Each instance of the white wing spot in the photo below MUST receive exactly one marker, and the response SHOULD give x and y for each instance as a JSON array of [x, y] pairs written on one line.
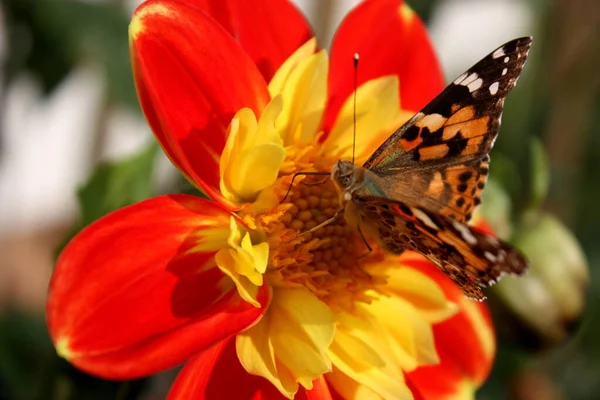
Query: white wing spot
[[476, 84], [498, 53], [460, 78], [466, 81], [515, 81], [472, 81], [489, 256], [494, 88], [465, 233], [506, 59], [425, 218], [504, 71]]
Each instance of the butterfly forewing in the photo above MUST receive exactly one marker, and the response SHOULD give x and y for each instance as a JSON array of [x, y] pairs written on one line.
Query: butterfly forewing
[[438, 159], [471, 259]]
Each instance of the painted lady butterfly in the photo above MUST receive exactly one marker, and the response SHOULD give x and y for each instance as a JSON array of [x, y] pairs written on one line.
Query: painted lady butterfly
[[420, 187]]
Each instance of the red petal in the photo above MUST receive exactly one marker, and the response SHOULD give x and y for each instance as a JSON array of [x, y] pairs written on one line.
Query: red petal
[[131, 295], [220, 10], [218, 374], [270, 31], [465, 343], [191, 77], [390, 41]]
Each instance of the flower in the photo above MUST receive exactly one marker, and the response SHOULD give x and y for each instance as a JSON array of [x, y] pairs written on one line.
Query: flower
[[240, 99]]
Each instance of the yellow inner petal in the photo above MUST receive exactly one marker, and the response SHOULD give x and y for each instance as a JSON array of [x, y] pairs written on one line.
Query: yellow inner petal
[[244, 262], [252, 156], [419, 290], [362, 355], [348, 388], [279, 80], [390, 335], [410, 337], [304, 93], [289, 344]]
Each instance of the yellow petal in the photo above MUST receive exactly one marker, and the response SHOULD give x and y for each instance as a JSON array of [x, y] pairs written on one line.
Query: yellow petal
[[419, 290], [378, 113], [357, 354], [256, 354], [279, 80], [247, 290], [349, 388], [302, 329], [304, 95], [289, 344], [363, 353], [252, 156], [410, 335], [244, 262], [212, 235]]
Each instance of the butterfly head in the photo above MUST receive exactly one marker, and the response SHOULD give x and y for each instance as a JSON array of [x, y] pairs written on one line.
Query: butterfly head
[[347, 176]]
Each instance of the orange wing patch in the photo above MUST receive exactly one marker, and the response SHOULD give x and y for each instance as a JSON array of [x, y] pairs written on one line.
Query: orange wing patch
[[461, 114], [433, 152]]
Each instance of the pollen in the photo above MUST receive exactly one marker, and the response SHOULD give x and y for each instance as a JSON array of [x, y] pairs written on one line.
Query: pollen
[[330, 261]]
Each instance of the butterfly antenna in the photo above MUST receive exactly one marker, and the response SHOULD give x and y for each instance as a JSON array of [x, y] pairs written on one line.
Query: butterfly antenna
[[356, 58]]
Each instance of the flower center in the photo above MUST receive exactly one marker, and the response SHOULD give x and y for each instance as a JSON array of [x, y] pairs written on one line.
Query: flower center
[[330, 261]]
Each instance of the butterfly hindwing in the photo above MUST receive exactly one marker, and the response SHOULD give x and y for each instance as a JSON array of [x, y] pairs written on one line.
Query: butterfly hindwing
[[423, 162], [470, 258]]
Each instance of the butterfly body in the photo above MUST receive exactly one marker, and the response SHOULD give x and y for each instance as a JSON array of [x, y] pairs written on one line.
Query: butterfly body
[[420, 187]]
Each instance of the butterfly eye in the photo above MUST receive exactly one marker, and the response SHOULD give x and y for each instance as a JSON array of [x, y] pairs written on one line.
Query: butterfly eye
[[346, 180]]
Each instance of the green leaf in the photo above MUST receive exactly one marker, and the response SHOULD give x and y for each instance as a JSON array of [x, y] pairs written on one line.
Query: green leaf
[[24, 347], [540, 174], [115, 185]]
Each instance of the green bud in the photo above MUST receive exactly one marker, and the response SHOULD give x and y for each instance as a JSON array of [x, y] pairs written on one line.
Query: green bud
[[550, 298]]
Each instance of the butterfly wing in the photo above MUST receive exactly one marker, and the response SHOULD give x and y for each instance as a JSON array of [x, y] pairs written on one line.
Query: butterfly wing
[[471, 259], [438, 159]]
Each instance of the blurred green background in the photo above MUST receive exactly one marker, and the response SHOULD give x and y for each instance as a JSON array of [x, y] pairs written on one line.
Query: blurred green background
[[74, 146]]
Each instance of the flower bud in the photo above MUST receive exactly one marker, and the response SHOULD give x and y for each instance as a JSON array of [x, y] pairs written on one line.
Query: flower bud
[[546, 304]]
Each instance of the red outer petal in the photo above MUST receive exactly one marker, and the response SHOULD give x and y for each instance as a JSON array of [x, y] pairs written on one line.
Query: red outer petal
[[217, 374], [220, 10], [389, 42], [130, 297], [270, 31], [459, 342], [191, 77]]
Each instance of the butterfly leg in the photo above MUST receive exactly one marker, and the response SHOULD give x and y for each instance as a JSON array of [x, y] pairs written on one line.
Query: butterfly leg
[[321, 225], [362, 236], [321, 173], [369, 251]]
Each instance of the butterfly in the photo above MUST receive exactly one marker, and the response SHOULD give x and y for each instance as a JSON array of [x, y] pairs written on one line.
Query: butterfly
[[418, 190]]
